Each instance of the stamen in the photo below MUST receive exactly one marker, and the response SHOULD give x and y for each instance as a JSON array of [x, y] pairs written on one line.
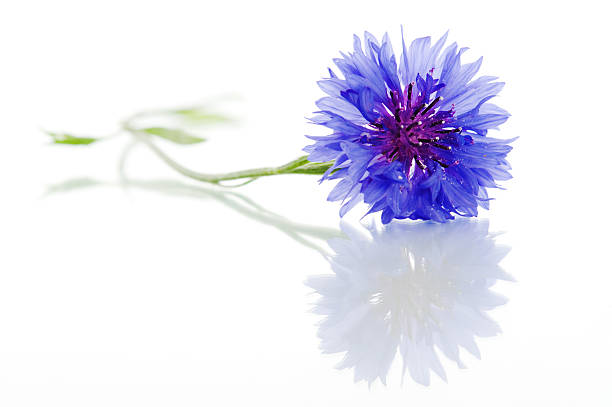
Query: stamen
[[417, 110], [392, 94], [432, 104], [400, 135], [420, 163], [443, 147], [410, 92], [414, 124], [457, 130], [436, 123], [443, 165]]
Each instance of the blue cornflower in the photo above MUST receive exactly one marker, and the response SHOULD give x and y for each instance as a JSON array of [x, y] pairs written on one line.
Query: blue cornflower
[[410, 140]]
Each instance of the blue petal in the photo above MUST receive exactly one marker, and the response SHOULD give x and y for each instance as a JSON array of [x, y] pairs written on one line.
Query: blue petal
[[342, 108], [341, 190], [387, 62]]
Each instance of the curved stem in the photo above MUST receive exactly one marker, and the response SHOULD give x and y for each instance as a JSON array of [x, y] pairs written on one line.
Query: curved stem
[[300, 165]]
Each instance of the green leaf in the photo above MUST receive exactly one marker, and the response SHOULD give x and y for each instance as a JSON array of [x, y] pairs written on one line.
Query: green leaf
[[175, 135], [199, 115], [65, 138]]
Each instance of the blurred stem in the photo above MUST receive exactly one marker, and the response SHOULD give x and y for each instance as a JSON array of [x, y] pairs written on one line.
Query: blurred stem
[[300, 165]]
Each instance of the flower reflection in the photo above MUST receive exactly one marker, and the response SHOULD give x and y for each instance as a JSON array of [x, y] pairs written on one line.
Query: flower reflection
[[419, 290]]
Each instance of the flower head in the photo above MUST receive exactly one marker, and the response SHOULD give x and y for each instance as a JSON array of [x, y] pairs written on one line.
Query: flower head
[[410, 140], [420, 290]]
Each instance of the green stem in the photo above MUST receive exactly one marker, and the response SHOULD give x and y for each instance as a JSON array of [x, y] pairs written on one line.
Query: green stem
[[300, 165]]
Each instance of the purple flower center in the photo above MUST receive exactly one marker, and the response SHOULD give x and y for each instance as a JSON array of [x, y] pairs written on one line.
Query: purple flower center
[[411, 127]]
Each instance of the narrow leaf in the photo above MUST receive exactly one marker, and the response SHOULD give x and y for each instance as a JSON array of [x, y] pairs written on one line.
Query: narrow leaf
[[175, 135], [199, 115], [65, 138]]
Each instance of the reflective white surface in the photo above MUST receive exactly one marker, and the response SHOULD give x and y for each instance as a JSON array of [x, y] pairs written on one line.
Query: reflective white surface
[[155, 291]]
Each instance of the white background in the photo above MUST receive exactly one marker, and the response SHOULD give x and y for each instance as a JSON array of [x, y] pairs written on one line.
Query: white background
[[128, 297]]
